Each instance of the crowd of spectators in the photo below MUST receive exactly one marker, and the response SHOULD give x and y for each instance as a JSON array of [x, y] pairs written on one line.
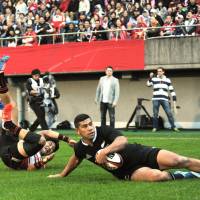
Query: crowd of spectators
[[91, 20]]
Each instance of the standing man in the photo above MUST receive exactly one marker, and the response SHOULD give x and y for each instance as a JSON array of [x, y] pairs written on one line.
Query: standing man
[[107, 94], [161, 88], [36, 97]]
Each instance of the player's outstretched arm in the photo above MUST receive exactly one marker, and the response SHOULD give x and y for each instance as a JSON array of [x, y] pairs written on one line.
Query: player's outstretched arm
[[56, 135], [71, 165]]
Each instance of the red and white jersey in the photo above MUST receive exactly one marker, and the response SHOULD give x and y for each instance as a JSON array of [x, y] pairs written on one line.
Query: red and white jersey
[[58, 21], [35, 160]]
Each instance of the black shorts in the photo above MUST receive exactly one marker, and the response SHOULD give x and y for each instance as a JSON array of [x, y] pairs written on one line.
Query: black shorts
[[11, 157], [148, 159]]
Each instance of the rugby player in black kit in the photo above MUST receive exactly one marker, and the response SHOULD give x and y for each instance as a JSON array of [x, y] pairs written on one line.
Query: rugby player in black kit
[[140, 163], [20, 148]]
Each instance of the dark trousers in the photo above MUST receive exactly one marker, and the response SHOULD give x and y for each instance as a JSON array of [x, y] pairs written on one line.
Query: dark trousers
[[111, 110], [166, 108], [40, 114]]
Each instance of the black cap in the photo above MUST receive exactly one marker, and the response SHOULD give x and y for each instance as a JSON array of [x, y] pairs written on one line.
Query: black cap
[[35, 71]]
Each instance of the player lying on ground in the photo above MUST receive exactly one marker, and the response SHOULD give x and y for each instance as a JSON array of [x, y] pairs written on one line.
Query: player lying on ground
[[19, 148], [132, 161]]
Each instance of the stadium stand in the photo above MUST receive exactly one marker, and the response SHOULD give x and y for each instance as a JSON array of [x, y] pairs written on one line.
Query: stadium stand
[[81, 20]]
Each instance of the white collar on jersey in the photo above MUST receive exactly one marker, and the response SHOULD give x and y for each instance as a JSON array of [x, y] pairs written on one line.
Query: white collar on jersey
[[95, 137]]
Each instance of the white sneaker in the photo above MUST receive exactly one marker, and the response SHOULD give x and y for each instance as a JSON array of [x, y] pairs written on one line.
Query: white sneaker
[[154, 130]]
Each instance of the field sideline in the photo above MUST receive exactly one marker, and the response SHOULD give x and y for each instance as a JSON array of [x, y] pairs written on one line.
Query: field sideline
[[90, 182]]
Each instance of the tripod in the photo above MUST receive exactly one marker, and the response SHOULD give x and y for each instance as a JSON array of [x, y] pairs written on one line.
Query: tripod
[[137, 109]]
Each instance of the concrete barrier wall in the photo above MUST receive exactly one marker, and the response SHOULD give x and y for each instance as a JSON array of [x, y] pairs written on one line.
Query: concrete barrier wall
[[172, 53]]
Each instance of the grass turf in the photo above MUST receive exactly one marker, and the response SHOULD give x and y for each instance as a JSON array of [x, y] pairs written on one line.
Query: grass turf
[[91, 182]]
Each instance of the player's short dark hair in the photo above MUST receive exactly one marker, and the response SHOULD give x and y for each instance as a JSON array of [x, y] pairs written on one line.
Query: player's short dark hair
[[35, 71], [79, 118], [109, 67]]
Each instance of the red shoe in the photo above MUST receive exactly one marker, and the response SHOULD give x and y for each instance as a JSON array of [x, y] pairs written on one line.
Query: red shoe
[[7, 112]]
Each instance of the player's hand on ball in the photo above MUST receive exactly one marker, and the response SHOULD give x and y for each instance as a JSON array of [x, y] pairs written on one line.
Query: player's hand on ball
[[101, 157], [55, 176]]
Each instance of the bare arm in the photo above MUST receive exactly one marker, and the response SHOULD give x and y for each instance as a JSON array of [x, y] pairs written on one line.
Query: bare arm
[[56, 135], [118, 144], [70, 166]]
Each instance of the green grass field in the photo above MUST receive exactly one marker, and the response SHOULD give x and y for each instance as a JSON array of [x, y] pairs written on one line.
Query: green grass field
[[91, 182]]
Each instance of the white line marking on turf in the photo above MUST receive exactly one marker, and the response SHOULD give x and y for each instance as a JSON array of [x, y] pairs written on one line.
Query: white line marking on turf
[[162, 138]]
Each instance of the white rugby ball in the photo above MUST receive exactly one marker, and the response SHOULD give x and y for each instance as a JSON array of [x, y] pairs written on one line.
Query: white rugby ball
[[114, 161]]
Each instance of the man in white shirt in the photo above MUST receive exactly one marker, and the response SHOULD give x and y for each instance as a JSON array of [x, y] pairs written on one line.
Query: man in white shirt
[[107, 94]]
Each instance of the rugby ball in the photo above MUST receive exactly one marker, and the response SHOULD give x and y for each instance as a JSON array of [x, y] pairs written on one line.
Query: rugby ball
[[113, 161]]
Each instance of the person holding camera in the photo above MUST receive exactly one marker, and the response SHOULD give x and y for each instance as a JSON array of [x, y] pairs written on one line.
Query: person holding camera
[[51, 93], [161, 88], [34, 87]]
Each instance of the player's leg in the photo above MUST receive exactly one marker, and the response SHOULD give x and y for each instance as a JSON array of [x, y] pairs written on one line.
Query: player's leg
[[148, 174], [167, 159], [4, 94]]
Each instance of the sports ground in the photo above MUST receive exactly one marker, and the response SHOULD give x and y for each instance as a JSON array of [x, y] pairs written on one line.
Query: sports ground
[[91, 182]]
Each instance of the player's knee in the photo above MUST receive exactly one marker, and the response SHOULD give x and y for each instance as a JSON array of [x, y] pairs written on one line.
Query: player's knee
[[180, 161], [42, 141]]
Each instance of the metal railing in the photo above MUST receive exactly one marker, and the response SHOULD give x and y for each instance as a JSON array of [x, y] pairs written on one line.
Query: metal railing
[[62, 36]]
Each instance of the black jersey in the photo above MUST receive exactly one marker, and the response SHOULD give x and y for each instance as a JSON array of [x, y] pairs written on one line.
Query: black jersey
[[134, 155]]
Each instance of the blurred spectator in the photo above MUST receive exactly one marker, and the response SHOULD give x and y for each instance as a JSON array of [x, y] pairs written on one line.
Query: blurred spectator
[[97, 34], [73, 6], [70, 18], [84, 6], [71, 37], [180, 29], [43, 28], [81, 37], [119, 9], [192, 6], [167, 29], [42, 10], [190, 21], [64, 5], [30, 37], [121, 32], [155, 14], [88, 30], [140, 33], [58, 20], [154, 30], [21, 7], [32, 6]]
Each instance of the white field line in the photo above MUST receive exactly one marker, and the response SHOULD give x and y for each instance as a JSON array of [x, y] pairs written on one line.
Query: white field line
[[163, 138]]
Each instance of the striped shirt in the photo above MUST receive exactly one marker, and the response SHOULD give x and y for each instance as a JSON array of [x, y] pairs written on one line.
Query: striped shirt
[[161, 88]]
